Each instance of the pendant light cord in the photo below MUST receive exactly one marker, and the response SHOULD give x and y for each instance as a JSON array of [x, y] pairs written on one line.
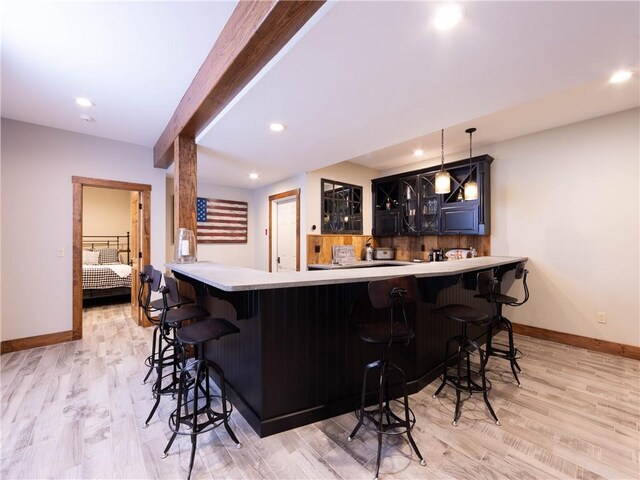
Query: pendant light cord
[[470, 132], [442, 150]]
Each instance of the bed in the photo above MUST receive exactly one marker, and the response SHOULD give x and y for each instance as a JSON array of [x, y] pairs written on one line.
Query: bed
[[106, 266]]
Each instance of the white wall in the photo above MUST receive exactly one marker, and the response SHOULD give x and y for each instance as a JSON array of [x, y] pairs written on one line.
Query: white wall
[[341, 172], [37, 199], [568, 199], [105, 211], [240, 254], [260, 222]]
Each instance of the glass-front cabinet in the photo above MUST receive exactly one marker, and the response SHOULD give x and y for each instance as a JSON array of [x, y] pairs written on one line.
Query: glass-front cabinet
[[341, 207], [429, 205], [407, 204], [385, 207], [409, 218], [420, 213]]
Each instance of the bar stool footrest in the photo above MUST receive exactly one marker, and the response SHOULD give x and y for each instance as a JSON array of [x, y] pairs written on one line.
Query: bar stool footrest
[[183, 424], [505, 353], [393, 420], [465, 384]]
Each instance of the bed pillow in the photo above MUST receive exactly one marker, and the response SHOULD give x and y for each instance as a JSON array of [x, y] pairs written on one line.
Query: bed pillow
[[90, 257], [108, 255]]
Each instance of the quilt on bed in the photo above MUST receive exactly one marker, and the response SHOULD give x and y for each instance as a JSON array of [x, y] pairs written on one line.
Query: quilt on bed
[[105, 276]]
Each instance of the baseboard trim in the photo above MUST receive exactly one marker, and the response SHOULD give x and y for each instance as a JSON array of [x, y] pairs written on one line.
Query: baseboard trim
[[604, 346], [36, 341]]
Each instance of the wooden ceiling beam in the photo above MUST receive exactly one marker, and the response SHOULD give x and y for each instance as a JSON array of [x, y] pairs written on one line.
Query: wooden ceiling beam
[[254, 34]]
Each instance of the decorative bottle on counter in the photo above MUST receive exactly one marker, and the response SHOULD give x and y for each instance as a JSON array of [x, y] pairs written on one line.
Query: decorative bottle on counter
[[185, 246], [368, 252]]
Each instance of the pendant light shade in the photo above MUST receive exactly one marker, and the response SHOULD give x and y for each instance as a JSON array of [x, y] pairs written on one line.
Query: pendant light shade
[[443, 182], [471, 187], [470, 190], [443, 179]]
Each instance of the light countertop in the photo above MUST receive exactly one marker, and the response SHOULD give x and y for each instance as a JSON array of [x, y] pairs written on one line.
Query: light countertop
[[357, 264], [233, 279]]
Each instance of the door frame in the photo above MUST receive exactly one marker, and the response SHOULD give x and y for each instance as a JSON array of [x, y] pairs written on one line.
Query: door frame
[[274, 198], [145, 241]]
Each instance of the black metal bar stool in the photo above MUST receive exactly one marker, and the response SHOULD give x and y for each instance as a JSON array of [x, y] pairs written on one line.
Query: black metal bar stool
[[194, 413], [462, 380], [489, 289], [392, 294], [170, 353], [150, 280]]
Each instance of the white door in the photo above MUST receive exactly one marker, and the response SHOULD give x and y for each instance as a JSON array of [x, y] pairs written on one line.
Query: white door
[[285, 233]]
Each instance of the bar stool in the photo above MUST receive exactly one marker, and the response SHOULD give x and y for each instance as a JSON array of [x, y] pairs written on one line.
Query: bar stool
[[392, 294], [150, 280], [489, 289], [170, 355], [194, 413], [462, 380]]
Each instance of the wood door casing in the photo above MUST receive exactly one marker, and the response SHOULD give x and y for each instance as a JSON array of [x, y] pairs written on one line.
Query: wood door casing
[[135, 258], [279, 196], [145, 241]]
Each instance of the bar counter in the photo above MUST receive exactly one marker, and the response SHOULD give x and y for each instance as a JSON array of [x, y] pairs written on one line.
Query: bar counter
[[297, 358]]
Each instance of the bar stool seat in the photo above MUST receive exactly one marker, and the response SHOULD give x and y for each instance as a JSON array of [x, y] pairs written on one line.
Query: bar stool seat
[[194, 413], [380, 333], [463, 379], [462, 313], [175, 316], [159, 303]]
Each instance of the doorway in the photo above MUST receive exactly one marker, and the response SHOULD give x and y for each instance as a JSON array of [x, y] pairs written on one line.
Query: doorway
[[284, 231], [140, 240]]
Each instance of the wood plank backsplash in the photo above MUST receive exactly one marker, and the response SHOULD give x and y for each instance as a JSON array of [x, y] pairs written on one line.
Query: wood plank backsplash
[[407, 248], [323, 243]]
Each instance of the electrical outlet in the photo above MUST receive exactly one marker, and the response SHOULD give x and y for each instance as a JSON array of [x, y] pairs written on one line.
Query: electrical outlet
[[61, 252], [602, 317]]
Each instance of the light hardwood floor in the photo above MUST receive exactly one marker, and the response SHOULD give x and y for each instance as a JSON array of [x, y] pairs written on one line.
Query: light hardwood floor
[[75, 410]]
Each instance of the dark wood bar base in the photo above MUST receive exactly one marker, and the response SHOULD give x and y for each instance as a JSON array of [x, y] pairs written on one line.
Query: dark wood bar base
[[297, 358]]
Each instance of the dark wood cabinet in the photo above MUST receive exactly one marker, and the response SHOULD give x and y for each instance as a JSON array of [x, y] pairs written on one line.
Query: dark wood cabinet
[[460, 219], [406, 204], [341, 207], [385, 207], [385, 223], [419, 205]]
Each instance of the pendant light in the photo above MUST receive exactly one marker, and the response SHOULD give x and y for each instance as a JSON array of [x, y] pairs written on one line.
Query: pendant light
[[443, 179], [471, 187]]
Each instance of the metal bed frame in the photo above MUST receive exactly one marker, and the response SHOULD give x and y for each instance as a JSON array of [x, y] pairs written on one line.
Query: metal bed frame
[[123, 244]]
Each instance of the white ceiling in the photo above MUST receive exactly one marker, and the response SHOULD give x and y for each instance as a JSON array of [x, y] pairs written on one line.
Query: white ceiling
[[365, 81], [134, 60]]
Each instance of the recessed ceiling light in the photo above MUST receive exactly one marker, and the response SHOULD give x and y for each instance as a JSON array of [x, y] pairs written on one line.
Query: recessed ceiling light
[[253, 176], [447, 16], [84, 102], [276, 127], [87, 118], [418, 152], [621, 76]]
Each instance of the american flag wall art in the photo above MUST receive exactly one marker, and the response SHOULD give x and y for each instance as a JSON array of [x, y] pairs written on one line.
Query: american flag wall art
[[221, 221]]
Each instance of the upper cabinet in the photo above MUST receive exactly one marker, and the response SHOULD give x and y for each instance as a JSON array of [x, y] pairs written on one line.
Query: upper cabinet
[[385, 207], [341, 207], [415, 209], [419, 205]]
